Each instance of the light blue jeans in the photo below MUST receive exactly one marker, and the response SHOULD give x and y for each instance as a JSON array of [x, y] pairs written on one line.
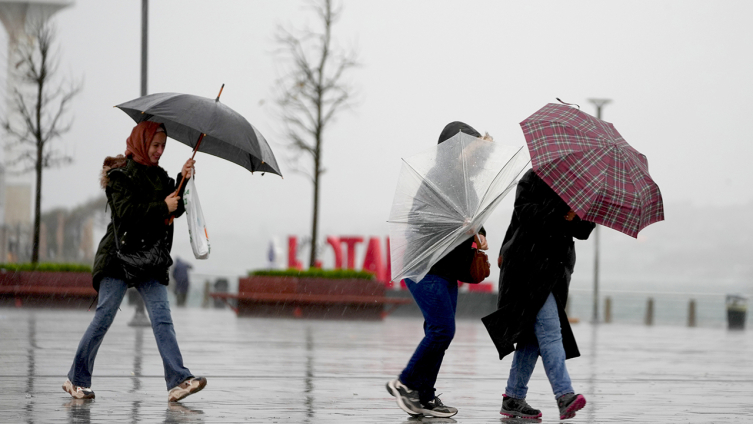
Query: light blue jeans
[[548, 344], [111, 293]]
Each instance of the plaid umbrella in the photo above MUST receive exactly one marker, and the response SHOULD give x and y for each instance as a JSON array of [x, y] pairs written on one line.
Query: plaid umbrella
[[592, 168]]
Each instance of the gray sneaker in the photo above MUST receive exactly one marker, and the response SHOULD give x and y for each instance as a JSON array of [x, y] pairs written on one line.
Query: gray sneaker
[[78, 392], [406, 398], [435, 408], [518, 408], [569, 403]]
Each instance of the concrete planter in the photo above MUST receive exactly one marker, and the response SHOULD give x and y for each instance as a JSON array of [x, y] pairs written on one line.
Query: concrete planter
[[320, 298], [46, 289]]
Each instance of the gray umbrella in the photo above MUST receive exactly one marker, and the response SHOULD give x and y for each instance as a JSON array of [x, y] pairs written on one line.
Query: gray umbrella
[[208, 126]]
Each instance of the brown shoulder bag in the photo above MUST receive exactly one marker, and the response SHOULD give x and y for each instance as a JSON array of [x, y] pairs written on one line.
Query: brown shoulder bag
[[480, 267]]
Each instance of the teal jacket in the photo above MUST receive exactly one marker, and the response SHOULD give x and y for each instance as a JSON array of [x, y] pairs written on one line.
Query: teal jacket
[[136, 196]]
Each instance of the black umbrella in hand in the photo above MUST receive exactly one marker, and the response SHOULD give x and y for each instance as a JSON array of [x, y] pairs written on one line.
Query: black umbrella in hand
[[207, 126]]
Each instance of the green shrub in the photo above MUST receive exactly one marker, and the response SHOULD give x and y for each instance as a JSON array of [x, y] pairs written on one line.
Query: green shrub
[[314, 273], [46, 267]]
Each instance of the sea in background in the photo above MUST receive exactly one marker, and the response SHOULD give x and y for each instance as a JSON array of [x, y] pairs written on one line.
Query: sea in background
[[670, 308], [629, 301]]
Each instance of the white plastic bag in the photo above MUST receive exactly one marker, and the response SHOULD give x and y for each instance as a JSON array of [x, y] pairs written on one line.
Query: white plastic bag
[[197, 227]]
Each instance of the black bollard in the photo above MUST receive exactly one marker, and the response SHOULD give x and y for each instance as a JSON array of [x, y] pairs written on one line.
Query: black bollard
[[650, 311], [608, 309], [691, 313]]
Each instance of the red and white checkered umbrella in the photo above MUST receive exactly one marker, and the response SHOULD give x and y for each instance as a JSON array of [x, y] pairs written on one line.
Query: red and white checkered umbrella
[[592, 168]]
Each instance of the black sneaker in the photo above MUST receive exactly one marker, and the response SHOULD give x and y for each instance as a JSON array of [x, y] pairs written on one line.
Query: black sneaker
[[569, 403], [435, 408], [518, 408], [407, 399]]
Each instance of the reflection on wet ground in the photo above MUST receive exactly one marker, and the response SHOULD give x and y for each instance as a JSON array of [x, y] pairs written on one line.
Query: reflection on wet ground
[[294, 371]]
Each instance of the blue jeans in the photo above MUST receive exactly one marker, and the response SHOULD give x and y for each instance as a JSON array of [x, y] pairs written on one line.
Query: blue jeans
[[438, 299], [111, 293], [548, 343]]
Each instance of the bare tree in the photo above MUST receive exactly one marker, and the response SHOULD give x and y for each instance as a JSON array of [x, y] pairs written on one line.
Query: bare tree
[[39, 109], [312, 92]]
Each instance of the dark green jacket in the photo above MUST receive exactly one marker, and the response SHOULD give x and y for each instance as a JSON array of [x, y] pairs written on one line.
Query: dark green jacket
[[136, 196]]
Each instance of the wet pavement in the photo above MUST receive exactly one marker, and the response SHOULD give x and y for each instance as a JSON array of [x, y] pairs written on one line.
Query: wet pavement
[[295, 371]]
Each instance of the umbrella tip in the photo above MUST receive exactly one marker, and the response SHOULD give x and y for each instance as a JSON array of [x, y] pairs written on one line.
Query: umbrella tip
[[218, 95]]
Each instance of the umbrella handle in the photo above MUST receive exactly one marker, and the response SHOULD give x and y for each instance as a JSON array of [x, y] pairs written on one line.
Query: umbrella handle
[[183, 180]]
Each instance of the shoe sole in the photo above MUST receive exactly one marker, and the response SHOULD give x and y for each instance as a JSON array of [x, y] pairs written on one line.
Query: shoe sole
[[71, 392], [577, 405], [435, 414], [396, 394], [513, 414], [202, 384]]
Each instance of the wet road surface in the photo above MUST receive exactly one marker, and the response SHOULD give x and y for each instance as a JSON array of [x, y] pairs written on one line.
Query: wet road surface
[[296, 371]]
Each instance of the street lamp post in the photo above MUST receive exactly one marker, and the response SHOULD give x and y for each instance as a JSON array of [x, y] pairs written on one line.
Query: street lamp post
[[139, 318], [144, 43], [599, 103]]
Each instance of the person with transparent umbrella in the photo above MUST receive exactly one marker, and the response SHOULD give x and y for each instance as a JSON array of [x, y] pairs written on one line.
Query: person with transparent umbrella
[[436, 294]]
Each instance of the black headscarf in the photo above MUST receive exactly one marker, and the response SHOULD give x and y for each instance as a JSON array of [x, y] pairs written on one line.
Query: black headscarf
[[453, 128]]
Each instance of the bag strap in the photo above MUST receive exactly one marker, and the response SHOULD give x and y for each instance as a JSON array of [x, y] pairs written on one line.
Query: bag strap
[[123, 172], [115, 230]]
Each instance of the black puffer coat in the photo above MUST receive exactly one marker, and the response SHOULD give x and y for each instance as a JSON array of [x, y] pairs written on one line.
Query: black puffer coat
[[538, 256], [136, 195]]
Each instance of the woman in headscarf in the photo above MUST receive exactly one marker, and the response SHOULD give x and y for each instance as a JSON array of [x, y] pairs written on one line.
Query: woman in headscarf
[[437, 297], [143, 202]]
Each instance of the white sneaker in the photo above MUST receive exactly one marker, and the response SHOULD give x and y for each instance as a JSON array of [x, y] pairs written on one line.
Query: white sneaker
[[187, 387], [78, 392]]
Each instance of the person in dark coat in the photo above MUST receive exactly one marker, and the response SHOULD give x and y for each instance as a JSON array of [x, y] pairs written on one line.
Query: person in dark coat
[[182, 282], [437, 297], [536, 261], [142, 198]]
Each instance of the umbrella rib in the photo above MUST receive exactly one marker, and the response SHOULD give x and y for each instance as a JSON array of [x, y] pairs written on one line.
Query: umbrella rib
[[434, 189], [465, 173], [493, 204], [426, 253], [481, 201]]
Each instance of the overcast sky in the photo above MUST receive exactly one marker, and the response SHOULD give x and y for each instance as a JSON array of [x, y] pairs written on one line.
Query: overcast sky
[[678, 72]]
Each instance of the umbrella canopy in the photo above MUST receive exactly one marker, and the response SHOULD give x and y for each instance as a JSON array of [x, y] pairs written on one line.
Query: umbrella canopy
[[444, 196], [592, 168], [227, 134]]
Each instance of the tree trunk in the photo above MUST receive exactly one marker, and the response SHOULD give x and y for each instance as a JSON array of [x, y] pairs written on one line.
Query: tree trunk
[[37, 209], [40, 157], [315, 221]]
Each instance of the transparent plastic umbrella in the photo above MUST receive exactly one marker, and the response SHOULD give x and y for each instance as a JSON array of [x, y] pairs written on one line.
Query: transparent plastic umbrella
[[444, 196]]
